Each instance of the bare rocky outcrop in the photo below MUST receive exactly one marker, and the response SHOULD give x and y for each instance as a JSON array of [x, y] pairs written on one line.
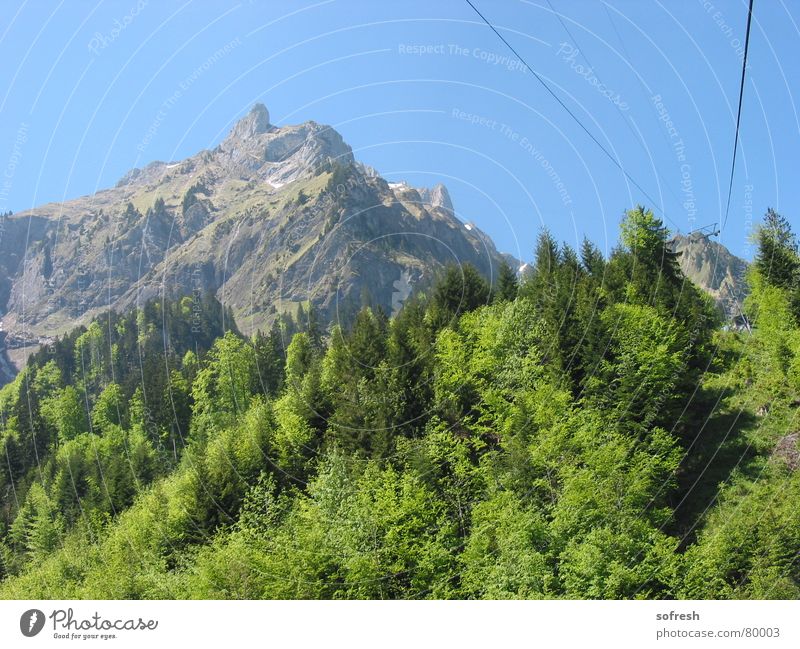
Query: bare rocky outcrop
[[715, 269], [273, 218]]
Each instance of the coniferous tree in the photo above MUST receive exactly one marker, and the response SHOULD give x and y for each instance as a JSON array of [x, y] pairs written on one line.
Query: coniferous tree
[[777, 260], [532, 446], [654, 269], [507, 283], [270, 351], [459, 290], [592, 259]]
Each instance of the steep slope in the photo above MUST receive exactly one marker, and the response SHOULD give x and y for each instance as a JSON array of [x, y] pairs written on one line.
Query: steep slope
[[715, 269], [272, 218]]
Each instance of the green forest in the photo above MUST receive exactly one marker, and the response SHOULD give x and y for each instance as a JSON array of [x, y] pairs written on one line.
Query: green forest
[[592, 430]]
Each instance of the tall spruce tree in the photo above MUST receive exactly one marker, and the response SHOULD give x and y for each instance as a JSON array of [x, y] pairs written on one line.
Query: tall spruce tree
[[777, 259], [507, 283]]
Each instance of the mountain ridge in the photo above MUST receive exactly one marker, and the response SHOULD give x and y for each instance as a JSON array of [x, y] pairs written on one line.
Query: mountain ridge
[[272, 219]]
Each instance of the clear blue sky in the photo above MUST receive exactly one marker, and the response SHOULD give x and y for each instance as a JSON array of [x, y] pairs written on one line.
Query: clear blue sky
[[83, 100]]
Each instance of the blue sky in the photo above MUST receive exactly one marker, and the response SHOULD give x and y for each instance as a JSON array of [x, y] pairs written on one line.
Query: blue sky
[[423, 91]]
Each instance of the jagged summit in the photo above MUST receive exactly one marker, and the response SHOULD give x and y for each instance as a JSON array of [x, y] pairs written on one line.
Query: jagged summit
[[256, 150], [437, 196], [273, 218], [254, 123]]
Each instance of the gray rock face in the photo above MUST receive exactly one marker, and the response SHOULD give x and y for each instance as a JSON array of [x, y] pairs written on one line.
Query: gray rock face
[[437, 196], [274, 217], [256, 150], [715, 269], [255, 123]]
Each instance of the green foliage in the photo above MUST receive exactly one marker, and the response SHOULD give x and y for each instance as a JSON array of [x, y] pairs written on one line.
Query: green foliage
[[66, 413], [225, 383], [38, 527], [506, 555], [777, 260], [645, 359], [460, 289], [507, 283], [564, 438], [109, 409], [101, 474], [749, 548]]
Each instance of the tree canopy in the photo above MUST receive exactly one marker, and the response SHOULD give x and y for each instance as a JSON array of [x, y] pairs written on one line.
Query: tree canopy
[[568, 433]]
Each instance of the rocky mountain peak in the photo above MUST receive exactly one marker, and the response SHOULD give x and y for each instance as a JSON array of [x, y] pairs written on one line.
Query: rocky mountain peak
[[257, 150], [437, 196], [254, 123], [273, 218]]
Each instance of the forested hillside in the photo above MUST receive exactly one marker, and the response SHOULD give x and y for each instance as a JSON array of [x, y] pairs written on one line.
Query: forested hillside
[[588, 432]]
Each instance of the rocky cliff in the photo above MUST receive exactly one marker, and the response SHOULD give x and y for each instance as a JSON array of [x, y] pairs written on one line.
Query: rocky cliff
[[715, 269], [273, 218]]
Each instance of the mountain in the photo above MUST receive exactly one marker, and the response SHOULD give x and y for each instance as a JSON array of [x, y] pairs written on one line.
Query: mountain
[[273, 218], [715, 269]]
